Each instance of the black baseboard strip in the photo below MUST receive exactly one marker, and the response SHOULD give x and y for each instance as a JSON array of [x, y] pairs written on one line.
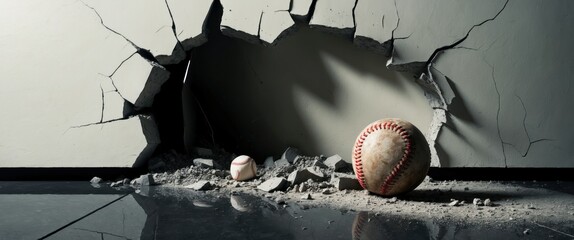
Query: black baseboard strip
[[68, 174], [502, 174], [468, 174]]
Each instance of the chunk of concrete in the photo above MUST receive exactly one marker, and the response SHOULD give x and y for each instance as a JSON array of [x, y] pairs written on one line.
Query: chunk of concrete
[[146, 180], [204, 163], [290, 154], [95, 180], [200, 185], [303, 175], [335, 16], [274, 184], [337, 163], [282, 163], [375, 22], [190, 18], [345, 181], [319, 164], [301, 8], [269, 163]]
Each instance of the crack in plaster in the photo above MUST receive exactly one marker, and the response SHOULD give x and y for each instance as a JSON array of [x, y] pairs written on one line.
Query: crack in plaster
[[450, 46], [103, 103], [144, 53], [397, 25], [354, 19], [104, 122], [426, 80], [502, 142], [530, 141], [173, 27]]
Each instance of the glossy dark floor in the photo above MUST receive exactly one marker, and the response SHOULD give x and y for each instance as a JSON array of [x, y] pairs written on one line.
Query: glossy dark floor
[[78, 210]]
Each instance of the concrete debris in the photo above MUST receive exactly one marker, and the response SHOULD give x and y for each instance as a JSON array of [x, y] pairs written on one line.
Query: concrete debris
[[117, 183], [337, 163], [200, 185], [303, 187], [319, 164], [327, 191], [335, 16], [146, 180], [274, 184], [345, 181], [454, 203], [303, 175], [477, 202], [307, 197], [269, 163], [290, 154], [280, 200], [95, 180], [204, 163], [488, 203], [282, 163]]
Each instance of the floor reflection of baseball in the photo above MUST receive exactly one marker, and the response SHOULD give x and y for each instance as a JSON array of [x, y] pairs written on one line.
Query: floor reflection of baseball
[[391, 157]]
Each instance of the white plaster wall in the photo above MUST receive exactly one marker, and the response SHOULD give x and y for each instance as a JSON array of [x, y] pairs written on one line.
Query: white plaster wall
[[56, 56]]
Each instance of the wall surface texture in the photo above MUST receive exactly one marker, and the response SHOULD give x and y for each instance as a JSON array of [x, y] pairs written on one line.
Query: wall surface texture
[[488, 82]]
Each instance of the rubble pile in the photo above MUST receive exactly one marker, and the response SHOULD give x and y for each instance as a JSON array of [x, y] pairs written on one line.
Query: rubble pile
[[293, 172]]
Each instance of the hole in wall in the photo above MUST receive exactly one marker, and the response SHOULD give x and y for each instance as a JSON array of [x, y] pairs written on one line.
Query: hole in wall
[[259, 100]]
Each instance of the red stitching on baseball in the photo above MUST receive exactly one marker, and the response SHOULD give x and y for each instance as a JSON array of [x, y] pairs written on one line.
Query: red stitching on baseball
[[403, 163], [357, 154], [240, 161]]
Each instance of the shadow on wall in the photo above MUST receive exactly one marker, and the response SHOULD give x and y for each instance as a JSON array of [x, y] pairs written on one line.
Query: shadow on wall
[[247, 90]]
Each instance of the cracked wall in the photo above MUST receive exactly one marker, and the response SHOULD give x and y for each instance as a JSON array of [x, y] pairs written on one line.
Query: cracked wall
[[80, 76]]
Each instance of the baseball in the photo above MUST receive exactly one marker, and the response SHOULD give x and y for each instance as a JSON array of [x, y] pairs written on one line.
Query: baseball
[[390, 157], [243, 168]]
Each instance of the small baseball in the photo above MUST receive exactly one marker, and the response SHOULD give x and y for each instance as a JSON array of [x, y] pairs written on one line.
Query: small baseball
[[243, 168], [390, 157]]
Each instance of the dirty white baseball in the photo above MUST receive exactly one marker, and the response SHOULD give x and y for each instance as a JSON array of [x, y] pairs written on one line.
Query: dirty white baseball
[[243, 168], [390, 157]]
